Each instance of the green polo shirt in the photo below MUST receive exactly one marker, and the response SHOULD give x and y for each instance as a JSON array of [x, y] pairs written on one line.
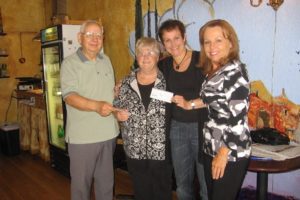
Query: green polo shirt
[[93, 80]]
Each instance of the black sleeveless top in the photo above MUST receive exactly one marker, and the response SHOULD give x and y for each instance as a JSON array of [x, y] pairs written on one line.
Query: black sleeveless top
[[186, 84]]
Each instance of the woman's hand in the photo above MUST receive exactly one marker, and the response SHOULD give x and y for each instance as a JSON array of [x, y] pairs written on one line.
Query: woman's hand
[[219, 163], [188, 105], [181, 102], [121, 114]]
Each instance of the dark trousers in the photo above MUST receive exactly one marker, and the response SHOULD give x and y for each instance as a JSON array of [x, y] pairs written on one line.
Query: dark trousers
[[92, 163], [152, 179], [229, 185]]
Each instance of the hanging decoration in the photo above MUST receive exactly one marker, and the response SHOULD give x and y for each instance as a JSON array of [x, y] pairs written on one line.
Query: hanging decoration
[[1, 23], [138, 25], [138, 20], [156, 22], [275, 4], [149, 20], [22, 58]]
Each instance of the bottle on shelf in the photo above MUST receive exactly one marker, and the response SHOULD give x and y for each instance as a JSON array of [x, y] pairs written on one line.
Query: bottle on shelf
[[59, 111], [56, 90], [54, 69], [60, 131]]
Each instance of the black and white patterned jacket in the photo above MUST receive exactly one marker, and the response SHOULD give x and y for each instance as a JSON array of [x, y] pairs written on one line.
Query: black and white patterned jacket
[[227, 95], [144, 133]]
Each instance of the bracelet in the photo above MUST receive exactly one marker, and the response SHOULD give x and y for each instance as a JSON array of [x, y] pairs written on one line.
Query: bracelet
[[193, 104]]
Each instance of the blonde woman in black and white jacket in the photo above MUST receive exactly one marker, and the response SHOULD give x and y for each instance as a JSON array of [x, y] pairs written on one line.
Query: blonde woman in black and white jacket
[[143, 125]]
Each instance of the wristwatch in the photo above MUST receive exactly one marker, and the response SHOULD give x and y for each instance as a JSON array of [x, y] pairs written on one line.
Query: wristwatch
[[193, 104]]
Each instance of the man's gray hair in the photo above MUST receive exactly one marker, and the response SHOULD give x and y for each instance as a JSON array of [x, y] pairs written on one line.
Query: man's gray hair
[[89, 22]]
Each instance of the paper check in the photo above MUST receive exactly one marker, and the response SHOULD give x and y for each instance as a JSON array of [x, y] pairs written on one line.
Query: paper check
[[161, 95]]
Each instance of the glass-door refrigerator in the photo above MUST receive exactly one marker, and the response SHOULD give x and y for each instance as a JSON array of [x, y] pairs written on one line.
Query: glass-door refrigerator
[[57, 43]]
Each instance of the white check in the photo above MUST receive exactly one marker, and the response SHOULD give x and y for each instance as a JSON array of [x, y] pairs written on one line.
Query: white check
[[161, 95]]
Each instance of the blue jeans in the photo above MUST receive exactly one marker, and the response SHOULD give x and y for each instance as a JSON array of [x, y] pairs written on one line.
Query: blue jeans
[[184, 147]]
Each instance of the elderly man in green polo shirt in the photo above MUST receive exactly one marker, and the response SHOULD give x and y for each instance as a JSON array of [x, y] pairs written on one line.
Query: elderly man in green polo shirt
[[87, 83]]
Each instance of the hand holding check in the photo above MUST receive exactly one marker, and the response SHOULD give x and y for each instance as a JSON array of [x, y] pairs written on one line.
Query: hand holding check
[[121, 114]]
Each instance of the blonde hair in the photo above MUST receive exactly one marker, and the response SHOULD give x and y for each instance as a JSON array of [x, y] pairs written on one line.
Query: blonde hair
[[147, 42]]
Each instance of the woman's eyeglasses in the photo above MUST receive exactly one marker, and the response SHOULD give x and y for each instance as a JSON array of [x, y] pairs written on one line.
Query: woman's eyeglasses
[[146, 54]]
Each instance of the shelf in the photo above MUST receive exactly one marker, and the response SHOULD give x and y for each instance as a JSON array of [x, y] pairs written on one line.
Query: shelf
[[4, 76], [3, 55], [2, 34]]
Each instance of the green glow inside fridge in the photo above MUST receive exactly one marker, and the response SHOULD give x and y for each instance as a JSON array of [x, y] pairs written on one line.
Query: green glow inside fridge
[[57, 43]]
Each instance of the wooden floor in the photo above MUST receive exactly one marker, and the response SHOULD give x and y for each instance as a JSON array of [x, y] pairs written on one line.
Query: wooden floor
[[27, 177]]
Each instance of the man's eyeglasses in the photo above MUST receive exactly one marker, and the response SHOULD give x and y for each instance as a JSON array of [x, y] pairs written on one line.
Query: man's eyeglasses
[[91, 35]]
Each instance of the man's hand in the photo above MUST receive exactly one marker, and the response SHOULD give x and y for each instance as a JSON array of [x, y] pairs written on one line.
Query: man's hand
[[104, 108]]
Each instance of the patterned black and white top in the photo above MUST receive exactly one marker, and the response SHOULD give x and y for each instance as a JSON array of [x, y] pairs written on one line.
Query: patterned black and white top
[[226, 94], [144, 133]]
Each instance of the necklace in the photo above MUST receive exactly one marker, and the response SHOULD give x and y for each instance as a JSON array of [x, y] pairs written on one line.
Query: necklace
[[177, 65]]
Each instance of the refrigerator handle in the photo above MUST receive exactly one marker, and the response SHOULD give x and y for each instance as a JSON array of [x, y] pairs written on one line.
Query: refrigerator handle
[[42, 84], [45, 86]]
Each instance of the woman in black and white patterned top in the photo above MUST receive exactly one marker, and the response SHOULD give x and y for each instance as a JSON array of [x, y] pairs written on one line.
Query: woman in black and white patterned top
[[143, 125], [225, 92], [227, 142]]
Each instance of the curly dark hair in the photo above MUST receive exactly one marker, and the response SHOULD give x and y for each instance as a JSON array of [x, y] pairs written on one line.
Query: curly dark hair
[[169, 25]]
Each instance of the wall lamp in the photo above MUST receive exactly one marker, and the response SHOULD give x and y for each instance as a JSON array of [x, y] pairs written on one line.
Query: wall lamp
[[274, 3]]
